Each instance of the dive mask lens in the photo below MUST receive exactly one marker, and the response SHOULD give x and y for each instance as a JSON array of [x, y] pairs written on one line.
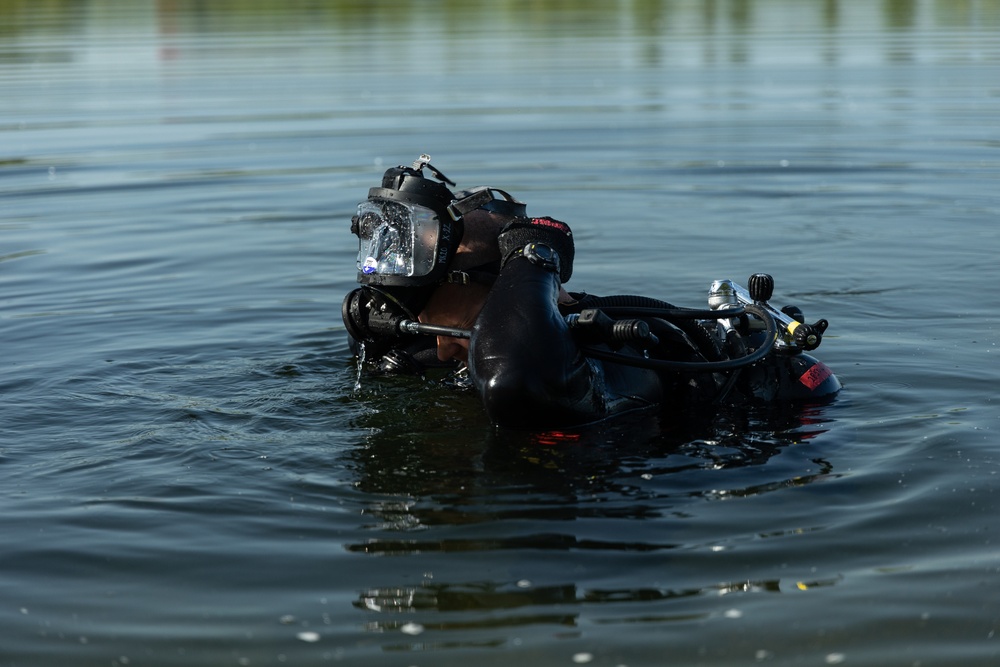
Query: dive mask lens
[[396, 239]]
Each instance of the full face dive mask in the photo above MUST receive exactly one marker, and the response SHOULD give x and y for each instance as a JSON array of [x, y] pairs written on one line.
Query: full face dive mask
[[406, 230], [410, 227]]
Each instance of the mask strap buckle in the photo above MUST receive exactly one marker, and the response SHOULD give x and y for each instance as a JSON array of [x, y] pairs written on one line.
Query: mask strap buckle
[[458, 278], [485, 274]]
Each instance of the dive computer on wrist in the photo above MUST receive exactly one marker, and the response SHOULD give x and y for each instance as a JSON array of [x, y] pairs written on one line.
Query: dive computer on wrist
[[541, 255]]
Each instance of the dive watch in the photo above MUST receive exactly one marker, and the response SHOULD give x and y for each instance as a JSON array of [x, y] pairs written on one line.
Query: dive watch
[[541, 255]]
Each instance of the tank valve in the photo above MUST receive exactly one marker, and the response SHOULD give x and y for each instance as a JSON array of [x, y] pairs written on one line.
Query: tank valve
[[797, 335], [761, 287]]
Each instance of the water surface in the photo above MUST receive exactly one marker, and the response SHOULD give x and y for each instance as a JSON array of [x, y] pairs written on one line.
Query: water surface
[[191, 477]]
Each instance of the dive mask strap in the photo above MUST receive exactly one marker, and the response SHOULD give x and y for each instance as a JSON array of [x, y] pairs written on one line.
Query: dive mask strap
[[483, 197], [484, 274], [425, 161], [471, 202]]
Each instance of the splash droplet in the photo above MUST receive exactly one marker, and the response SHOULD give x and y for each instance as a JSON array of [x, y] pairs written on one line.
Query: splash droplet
[[412, 628]]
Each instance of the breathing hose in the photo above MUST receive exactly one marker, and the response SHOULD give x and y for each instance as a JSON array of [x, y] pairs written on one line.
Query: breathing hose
[[770, 336], [366, 322]]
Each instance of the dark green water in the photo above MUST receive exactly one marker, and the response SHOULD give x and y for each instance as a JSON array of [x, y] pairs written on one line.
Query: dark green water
[[191, 478]]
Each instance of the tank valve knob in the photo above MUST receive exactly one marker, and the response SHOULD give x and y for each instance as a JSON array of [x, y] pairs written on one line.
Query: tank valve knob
[[808, 336], [761, 287]]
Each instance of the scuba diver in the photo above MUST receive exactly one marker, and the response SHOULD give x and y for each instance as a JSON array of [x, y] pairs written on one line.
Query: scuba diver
[[469, 281]]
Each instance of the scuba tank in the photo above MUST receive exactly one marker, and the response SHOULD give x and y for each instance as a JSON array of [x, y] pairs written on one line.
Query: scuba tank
[[752, 348]]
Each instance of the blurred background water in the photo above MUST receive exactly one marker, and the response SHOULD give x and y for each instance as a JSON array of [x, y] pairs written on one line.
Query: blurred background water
[[191, 478]]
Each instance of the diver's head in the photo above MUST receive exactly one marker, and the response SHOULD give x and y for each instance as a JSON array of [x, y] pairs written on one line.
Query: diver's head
[[411, 227], [415, 235], [407, 234]]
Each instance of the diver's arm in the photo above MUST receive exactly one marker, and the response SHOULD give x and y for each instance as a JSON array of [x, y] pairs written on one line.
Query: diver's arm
[[524, 363]]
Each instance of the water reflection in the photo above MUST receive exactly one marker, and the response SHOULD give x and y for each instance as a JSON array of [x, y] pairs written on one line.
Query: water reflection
[[434, 479], [163, 167], [725, 24], [522, 603], [433, 460], [520, 594], [647, 16]]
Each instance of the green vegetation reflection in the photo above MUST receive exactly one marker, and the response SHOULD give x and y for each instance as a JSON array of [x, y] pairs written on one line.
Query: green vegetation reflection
[[455, 17]]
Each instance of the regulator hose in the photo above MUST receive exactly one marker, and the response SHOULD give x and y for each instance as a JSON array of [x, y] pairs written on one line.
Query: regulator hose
[[630, 305], [770, 336], [373, 316]]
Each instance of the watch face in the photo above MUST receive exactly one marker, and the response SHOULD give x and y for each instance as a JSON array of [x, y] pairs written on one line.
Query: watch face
[[542, 252], [542, 255]]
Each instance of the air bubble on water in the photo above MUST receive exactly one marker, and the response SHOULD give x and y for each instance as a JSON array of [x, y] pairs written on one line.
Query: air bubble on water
[[308, 636], [412, 629]]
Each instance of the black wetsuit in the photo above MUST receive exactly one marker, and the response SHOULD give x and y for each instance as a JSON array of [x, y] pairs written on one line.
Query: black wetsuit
[[531, 372]]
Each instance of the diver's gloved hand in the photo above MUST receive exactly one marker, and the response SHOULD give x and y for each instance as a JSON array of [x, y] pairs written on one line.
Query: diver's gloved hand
[[553, 233]]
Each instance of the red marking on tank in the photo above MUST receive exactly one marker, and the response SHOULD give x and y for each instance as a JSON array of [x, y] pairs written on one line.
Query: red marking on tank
[[815, 376], [552, 438]]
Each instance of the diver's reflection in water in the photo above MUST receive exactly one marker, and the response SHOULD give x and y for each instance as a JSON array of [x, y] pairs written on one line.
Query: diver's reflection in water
[[448, 486], [439, 463], [526, 604]]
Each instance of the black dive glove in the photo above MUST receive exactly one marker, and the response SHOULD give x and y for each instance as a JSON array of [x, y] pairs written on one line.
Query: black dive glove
[[545, 231]]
